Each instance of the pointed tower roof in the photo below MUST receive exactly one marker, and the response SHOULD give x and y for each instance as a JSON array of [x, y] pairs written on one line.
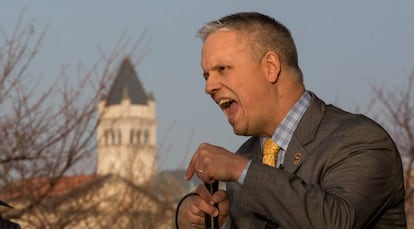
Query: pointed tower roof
[[127, 85]]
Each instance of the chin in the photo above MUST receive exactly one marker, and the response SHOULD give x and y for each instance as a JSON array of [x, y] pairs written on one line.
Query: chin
[[240, 132]]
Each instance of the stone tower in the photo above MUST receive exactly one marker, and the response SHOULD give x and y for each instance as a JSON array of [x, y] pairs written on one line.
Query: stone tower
[[127, 130]]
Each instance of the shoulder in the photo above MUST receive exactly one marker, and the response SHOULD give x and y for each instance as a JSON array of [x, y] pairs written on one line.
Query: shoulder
[[346, 132], [335, 119], [349, 135], [347, 124]]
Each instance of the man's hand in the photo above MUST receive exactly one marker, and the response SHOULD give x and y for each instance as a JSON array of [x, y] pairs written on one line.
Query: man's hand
[[214, 163], [192, 211]]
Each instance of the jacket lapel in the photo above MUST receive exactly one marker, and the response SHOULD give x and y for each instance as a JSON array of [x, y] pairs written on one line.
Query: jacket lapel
[[251, 149], [299, 147]]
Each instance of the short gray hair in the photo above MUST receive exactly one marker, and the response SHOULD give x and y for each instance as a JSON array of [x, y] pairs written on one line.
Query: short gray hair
[[263, 34]]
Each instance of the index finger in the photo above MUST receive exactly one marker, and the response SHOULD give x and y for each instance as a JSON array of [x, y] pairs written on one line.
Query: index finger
[[191, 168]]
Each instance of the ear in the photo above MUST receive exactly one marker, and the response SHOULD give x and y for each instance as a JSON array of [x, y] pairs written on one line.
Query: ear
[[272, 66]]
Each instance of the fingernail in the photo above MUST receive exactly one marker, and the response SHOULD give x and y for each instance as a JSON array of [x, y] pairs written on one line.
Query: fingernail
[[212, 202], [215, 213]]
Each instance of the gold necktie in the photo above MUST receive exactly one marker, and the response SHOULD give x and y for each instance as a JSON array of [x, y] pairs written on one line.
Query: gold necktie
[[270, 150]]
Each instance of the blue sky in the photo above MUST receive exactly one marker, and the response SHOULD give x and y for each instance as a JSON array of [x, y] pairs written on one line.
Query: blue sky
[[343, 47]]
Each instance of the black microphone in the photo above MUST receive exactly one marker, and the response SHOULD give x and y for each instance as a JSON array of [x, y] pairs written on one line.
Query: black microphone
[[211, 222]]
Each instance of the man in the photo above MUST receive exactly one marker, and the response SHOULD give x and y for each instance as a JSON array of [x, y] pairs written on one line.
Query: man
[[333, 169]]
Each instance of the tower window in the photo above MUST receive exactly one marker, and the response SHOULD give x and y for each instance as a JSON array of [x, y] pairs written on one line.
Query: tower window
[[119, 137], [109, 137], [146, 136], [106, 136], [131, 136], [135, 136], [138, 136]]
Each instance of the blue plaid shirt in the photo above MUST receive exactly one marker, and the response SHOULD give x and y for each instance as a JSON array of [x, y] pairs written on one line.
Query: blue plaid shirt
[[284, 132]]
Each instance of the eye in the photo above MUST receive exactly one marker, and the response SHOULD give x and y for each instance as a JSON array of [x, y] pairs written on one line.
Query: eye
[[206, 75], [222, 69]]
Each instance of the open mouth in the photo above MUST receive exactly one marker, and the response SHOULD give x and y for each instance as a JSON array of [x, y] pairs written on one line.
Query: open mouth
[[225, 103], [229, 108]]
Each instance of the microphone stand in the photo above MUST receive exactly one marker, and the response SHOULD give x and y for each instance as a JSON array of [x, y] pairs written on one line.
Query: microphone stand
[[211, 222]]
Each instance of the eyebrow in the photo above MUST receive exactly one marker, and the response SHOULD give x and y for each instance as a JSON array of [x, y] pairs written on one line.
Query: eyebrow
[[215, 68]]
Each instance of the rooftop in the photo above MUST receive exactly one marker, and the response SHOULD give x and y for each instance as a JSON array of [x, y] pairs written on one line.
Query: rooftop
[[127, 85]]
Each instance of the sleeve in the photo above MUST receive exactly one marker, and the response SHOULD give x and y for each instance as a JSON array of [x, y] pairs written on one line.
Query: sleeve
[[243, 174]]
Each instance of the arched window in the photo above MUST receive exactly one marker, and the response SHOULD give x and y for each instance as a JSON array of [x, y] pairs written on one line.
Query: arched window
[[131, 136], [106, 136], [110, 138], [111, 132], [135, 136], [119, 137], [146, 137], [138, 136]]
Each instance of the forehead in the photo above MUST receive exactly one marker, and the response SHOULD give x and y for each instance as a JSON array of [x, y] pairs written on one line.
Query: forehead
[[221, 46]]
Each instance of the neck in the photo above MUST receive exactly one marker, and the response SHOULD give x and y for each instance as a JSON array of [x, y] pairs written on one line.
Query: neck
[[287, 97]]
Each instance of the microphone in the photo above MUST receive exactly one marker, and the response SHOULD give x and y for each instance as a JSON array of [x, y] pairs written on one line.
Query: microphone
[[211, 222]]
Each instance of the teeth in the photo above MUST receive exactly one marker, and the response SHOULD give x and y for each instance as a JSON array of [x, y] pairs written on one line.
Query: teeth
[[224, 101]]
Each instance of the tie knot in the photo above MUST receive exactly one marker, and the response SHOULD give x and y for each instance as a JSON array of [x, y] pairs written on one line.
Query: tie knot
[[270, 150], [270, 147]]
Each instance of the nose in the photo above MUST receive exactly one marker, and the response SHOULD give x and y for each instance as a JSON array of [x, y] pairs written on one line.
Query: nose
[[212, 84]]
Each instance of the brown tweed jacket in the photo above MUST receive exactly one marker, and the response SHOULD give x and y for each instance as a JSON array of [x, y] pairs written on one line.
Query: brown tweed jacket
[[341, 170]]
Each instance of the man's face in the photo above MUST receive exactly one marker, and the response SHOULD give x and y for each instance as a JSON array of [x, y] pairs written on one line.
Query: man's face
[[236, 82]]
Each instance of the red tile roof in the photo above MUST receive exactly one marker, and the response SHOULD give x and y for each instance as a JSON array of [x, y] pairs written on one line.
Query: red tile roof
[[45, 186]]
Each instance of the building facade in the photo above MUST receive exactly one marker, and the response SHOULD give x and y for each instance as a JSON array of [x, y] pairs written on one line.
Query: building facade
[[128, 128]]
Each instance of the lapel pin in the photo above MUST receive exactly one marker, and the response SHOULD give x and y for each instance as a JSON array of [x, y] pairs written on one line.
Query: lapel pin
[[297, 158]]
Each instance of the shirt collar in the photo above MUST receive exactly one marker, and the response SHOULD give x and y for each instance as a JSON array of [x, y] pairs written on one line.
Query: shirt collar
[[284, 132]]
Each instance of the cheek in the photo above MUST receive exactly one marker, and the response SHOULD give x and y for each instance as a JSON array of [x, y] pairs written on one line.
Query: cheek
[[248, 102], [250, 88], [255, 100]]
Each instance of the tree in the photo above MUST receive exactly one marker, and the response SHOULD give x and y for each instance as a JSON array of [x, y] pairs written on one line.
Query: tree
[[47, 132], [396, 113], [43, 133]]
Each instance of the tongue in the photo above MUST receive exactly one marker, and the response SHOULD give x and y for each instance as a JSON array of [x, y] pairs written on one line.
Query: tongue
[[232, 110]]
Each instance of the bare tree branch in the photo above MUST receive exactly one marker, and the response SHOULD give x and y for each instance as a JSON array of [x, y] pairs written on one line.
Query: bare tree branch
[[396, 113]]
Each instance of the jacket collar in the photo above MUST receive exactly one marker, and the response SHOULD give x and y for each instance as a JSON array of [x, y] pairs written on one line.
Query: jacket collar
[[299, 147]]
